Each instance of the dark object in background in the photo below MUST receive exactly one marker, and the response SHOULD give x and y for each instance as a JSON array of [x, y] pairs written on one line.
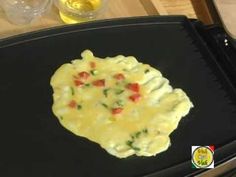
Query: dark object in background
[[34, 144]]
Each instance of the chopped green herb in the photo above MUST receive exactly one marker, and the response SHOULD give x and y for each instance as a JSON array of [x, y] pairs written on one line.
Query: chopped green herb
[[145, 130], [87, 85], [94, 72], [119, 91], [119, 103], [146, 71], [61, 117], [124, 69], [137, 134], [79, 107], [105, 92], [135, 148], [117, 83], [105, 105], [72, 90], [129, 143]]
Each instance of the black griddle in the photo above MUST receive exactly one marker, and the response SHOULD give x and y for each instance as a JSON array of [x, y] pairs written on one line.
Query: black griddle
[[34, 144]]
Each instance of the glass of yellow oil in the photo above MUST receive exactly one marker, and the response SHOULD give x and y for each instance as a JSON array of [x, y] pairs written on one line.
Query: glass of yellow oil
[[77, 11]]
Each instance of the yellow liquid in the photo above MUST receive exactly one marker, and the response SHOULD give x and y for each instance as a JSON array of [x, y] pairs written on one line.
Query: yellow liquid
[[81, 6]]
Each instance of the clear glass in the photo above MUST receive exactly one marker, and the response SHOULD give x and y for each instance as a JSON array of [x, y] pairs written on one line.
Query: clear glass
[[77, 11], [24, 11]]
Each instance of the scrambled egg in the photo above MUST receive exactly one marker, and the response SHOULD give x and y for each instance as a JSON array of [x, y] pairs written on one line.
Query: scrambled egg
[[125, 106]]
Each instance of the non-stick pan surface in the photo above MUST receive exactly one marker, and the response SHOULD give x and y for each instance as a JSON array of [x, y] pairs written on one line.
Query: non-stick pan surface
[[34, 144]]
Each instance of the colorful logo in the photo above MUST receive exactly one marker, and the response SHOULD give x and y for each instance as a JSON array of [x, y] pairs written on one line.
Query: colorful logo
[[203, 156]]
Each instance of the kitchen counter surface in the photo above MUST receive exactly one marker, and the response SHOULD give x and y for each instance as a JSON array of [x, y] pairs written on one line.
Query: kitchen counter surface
[[115, 9]]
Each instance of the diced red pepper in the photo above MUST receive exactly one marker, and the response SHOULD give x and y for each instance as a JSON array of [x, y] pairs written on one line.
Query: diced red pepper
[[212, 148], [78, 83], [119, 76], [99, 83], [92, 64], [84, 75], [134, 87], [117, 110], [135, 97], [72, 104]]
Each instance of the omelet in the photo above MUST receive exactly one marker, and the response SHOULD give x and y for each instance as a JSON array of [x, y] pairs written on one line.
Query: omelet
[[125, 106]]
